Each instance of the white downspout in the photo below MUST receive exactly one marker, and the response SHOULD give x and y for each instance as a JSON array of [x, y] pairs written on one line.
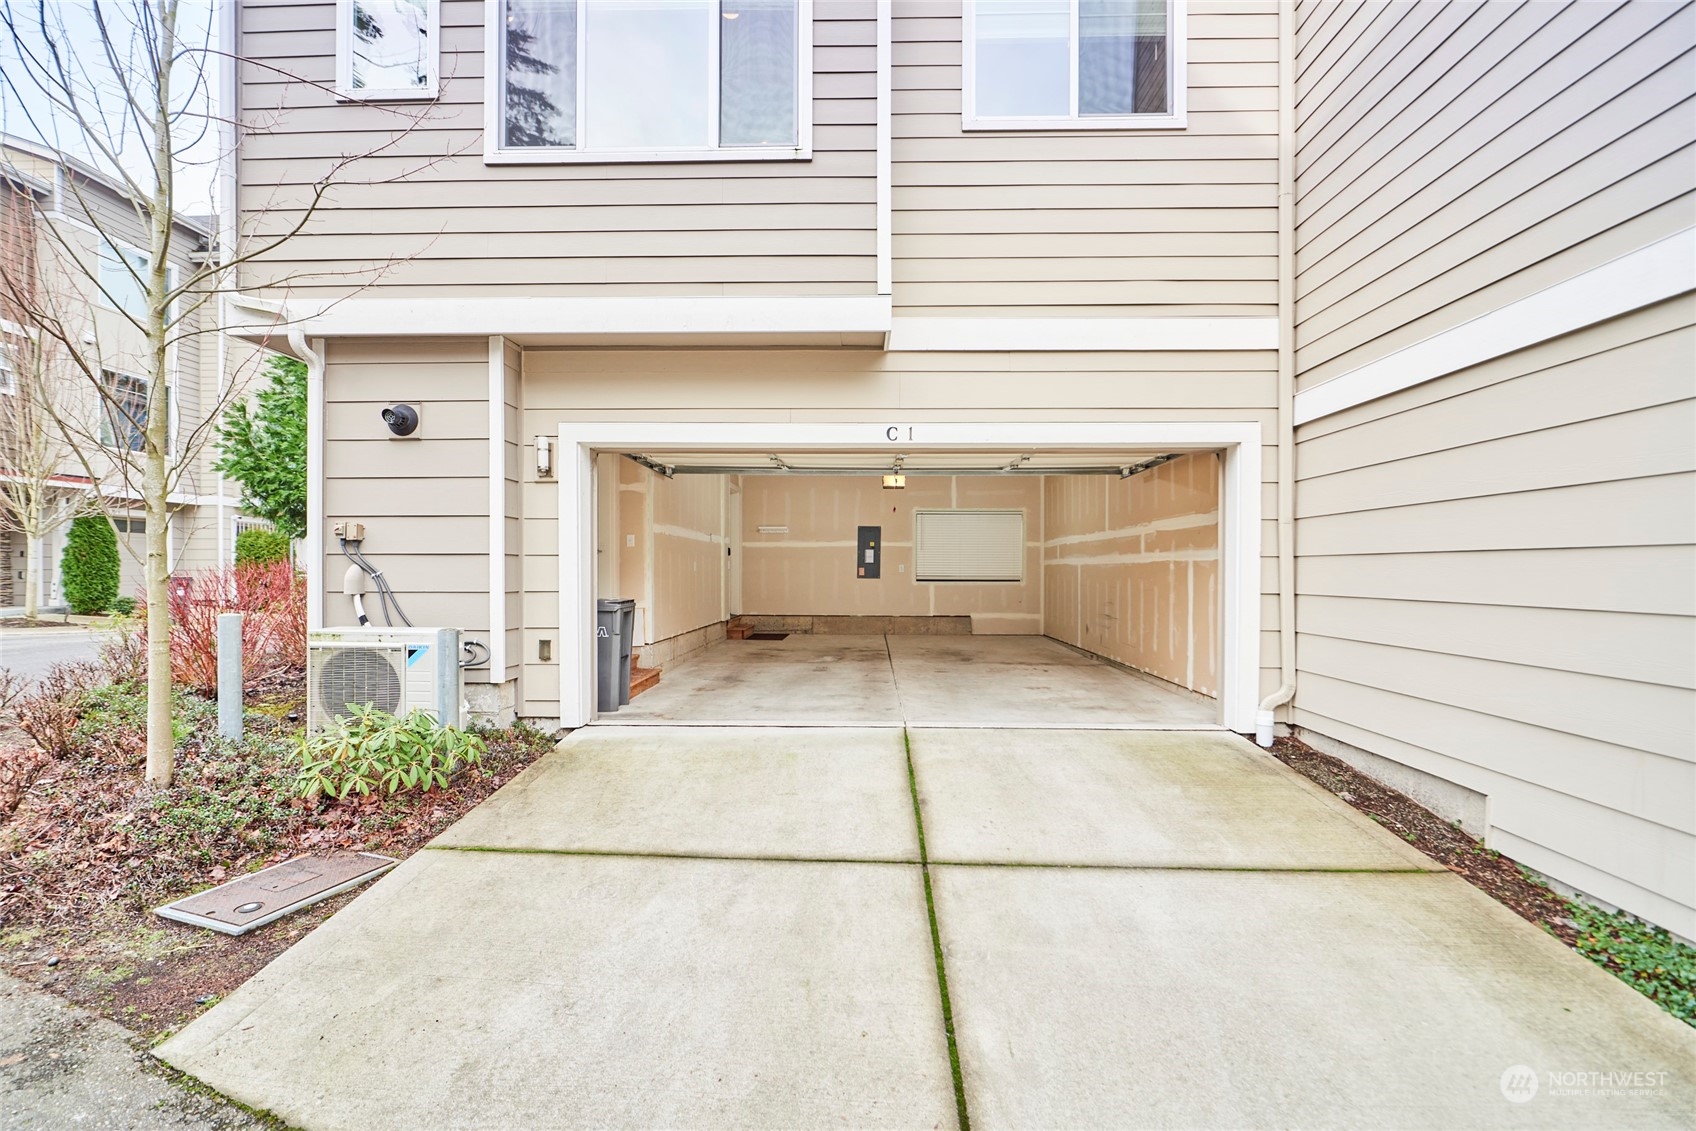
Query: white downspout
[[312, 354], [314, 473], [227, 225], [1266, 718]]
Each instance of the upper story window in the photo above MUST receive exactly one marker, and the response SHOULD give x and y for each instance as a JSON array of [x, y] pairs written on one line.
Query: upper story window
[[8, 379], [650, 80], [122, 270], [387, 49], [1073, 64], [124, 424]]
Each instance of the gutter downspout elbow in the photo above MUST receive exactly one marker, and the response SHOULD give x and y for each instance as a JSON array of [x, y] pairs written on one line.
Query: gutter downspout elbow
[[1265, 719]]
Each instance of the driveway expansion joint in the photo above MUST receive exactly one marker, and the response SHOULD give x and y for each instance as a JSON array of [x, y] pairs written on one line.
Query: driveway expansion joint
[[617, 854], [936, 945]]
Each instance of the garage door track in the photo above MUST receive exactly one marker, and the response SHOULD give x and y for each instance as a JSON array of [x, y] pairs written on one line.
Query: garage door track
[[723, 927]]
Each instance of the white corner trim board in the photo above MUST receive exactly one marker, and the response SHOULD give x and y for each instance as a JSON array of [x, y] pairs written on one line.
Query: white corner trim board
[[497, 510], [1662, 270], [1239, 441], [1083, 334]]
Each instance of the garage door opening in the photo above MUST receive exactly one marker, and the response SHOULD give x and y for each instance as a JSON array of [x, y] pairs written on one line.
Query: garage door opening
[[916, 584]]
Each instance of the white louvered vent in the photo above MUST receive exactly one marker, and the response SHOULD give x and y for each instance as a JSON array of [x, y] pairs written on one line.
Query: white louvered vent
[[962, 545]]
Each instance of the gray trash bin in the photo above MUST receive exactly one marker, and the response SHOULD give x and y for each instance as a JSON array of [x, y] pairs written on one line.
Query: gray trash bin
[[609, 631], [626, 647]]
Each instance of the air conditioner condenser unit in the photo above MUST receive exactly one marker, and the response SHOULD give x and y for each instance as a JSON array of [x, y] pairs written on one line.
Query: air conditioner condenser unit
[[398, 670]]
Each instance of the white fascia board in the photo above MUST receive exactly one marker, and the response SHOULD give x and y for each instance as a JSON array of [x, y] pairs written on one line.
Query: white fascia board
[[640, 319], [1662, 270], [1083, 334]]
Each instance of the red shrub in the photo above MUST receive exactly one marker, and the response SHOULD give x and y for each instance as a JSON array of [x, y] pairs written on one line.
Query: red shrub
[[271, 597]]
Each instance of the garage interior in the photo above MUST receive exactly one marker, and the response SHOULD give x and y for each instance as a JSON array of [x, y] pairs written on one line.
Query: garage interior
[[926, 589]]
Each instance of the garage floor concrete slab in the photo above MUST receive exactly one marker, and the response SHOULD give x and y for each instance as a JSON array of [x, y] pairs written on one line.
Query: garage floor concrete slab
[[812, 794], [961, 681], [1030, 681], [798, 681], [541, 991], [1153, 799], [1108, 998]]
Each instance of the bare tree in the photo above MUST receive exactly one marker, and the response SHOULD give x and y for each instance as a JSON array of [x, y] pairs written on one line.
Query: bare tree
[[37, 497], [136, 94]]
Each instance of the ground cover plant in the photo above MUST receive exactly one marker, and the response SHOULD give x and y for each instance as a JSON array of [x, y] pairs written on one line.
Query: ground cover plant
[[1645, 957], [88, 848]]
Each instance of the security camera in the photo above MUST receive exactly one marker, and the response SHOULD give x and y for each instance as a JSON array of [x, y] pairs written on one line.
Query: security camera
[[402, 419]]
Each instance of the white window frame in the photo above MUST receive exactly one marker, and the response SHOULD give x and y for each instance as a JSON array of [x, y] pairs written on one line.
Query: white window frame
[[494, 27], [171, 393], [347, 92], [1176, 56], [8, 376], [1024, 535], [102, 242]]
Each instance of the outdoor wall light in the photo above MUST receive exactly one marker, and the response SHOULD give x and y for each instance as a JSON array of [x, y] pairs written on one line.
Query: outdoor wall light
[[544, 457], [402, 419]]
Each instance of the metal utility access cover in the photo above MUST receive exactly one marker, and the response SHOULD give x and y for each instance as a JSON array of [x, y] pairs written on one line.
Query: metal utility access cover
[[250, 901]]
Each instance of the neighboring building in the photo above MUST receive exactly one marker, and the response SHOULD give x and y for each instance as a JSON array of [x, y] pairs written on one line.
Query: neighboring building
[[48, 198], [664, 279]]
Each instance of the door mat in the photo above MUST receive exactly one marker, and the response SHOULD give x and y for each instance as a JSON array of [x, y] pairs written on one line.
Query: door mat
[[768, 636], [250, 901]]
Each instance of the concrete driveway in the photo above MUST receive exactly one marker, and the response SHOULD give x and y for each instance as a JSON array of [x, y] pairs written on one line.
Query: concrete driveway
[[698, 927]]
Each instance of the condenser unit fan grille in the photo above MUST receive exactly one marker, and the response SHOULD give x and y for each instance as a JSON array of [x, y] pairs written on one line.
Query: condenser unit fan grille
[[359, 675]]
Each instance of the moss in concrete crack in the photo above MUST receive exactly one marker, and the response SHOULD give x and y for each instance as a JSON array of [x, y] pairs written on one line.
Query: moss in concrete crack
[[936, 945]]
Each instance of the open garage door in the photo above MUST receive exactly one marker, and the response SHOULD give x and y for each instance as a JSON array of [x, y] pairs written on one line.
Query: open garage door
[[932, 574]]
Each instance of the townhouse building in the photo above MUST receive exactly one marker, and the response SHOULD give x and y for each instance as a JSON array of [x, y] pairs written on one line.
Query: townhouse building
[[57, 206], [1330, 364]]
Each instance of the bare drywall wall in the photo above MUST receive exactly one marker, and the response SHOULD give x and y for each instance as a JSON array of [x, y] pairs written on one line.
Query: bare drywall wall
[[1131, 568], [670, 556], [804, 562]]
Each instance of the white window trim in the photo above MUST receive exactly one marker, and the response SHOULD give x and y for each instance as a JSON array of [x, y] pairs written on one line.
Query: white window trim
[[1177, 55], [101, 298], [8, 377], [173, 394], [347, 92], [494, 76]]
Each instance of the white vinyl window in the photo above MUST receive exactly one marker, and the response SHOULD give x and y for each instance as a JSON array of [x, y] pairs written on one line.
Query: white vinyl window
[[387, 49], [1073, 64], [968, 545], [8, 378], [649, 80], [123, 275], [123, 423], [122, 270]]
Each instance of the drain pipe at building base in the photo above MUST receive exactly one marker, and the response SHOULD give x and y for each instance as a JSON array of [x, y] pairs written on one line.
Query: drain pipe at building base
[[1266, 718]]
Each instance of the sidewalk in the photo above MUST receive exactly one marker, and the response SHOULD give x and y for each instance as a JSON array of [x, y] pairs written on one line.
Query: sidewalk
[[63, 1067]]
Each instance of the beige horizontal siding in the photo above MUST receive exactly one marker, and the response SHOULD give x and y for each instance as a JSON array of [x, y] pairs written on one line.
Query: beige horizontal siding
[[424, 215], [424, 502], [1453, 158], [1497, 585], [1161, 221]]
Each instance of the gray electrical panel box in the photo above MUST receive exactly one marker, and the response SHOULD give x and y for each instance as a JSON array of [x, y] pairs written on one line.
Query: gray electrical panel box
[[869, 557]]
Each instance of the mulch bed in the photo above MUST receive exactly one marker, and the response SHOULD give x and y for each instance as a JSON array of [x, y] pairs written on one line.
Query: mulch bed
[[93, 849], [1443, 841]]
